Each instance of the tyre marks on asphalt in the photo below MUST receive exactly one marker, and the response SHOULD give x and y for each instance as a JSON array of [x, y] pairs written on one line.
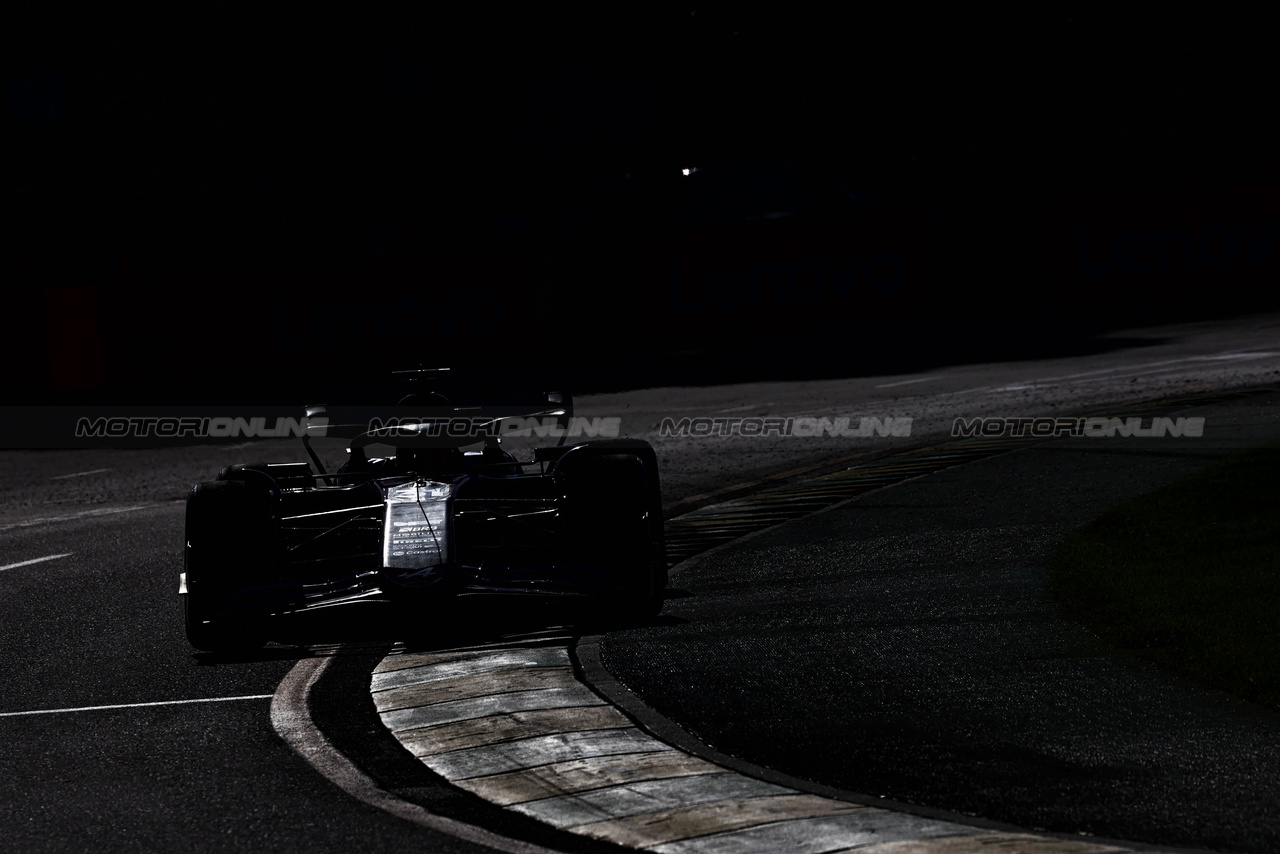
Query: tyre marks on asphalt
[[706, 528], [518, 728]]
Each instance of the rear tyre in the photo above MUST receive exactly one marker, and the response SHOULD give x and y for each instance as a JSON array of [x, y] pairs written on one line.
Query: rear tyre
[[611, 522], [228, 543]]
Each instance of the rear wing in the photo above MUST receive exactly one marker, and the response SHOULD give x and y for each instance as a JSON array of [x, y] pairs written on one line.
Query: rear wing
[[443, 425]]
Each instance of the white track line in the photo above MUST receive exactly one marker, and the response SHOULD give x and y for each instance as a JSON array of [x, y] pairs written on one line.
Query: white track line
[[44, 520], [744, 408], [1118, 372], [79, 474], [136, 705], [34, 560], [906, 382]]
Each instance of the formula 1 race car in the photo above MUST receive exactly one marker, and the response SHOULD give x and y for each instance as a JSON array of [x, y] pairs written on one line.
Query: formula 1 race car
[[433, 521]]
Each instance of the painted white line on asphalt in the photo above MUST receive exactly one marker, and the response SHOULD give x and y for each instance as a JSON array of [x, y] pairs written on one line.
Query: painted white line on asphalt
[[1117, 372], [44, 520], [1146, 372], [745, 408], [1149, 373], [136, 705], [906, 382], [34, 560], [79, 474], [1124, 370]]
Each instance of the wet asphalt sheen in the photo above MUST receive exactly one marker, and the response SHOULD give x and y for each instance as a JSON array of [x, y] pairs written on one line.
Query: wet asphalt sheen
[[901, 645]]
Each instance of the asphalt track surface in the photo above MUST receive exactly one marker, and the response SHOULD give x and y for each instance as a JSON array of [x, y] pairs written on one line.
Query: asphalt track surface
[[105, 750], [900, 645]]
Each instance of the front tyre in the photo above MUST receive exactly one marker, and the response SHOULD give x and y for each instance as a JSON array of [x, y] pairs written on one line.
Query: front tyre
[[228, 544]]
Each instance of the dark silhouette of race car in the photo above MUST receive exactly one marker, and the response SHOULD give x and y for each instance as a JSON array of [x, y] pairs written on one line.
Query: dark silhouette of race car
[[448, 514]]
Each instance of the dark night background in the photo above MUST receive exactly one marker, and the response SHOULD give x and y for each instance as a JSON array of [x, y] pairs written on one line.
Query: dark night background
[[238, 203]]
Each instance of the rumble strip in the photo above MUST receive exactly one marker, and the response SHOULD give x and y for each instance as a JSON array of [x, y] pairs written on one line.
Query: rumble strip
[[519, 728]]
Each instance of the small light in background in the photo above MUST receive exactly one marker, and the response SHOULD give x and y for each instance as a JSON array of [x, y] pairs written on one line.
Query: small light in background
[[688, 171]]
